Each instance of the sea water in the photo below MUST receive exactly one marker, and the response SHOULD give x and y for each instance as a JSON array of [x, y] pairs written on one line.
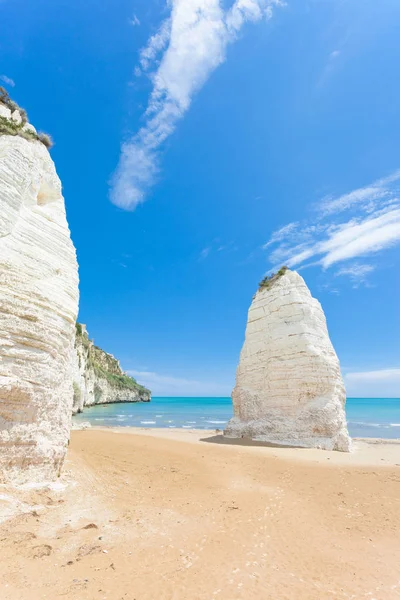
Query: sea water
[[367, 417]]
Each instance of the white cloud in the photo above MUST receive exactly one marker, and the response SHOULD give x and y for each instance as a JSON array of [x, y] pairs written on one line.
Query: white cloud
[[216, 247], [187, 48], [359, 239], [356, 272], [281, 234], [372, 225], [370, 197], [384, 383], [134, 21], [156, 43], [167, 385], [204, 253], [7, 80], [351, 239], [329, 67]]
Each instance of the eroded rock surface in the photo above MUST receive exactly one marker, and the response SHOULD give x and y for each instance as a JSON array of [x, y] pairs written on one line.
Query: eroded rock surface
[[38, 308], [289, 389]]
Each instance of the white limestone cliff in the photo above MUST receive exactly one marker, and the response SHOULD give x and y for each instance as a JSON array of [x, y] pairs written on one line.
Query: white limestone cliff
[[38, 308], [98, 377], [289, 389]]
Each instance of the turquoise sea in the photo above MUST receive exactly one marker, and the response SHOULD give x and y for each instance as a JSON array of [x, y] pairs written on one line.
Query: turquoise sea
[[367, 417]]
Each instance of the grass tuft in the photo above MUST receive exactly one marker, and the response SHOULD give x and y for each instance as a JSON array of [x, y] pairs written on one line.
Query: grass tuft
[[269, 280], [10, 127], [46, 140]]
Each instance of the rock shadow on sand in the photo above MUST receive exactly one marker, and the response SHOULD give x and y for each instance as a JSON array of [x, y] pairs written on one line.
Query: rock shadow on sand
[[221, 439]]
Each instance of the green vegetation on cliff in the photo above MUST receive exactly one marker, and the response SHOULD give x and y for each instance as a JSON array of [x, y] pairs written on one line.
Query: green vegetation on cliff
[[105, 365], [269, 280], [11, 127]]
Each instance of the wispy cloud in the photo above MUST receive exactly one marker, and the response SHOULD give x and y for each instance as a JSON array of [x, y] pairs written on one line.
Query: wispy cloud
[[370, 224], [356, 272], [7, 80], [205, 253], [134, 21], [168, 385], [383, 383], [379, 194], [155, 45], [188, 47], [281, 234], [217, 247], [329, 67]]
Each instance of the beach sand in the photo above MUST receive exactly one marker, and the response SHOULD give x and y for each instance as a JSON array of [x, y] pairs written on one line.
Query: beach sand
[[163, 515]]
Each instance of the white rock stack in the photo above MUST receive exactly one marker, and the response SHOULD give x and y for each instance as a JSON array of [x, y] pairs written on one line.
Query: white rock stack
[[38, 309], [289, 389]]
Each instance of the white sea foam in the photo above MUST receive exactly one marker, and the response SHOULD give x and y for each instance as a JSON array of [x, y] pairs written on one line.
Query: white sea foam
[[192, 422], [217, 422], [394, 424], [158, 416], [147, 422], [366, 424]]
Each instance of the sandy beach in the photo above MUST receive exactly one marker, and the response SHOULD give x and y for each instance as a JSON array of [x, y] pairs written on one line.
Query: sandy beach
[[168, 514]]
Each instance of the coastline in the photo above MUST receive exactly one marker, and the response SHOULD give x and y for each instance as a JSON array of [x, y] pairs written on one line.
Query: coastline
[[157, 513], [366, 417]]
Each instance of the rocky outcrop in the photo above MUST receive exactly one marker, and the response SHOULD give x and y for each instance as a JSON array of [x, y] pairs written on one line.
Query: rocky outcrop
[[289, 389], [38, 307], [98, 377]]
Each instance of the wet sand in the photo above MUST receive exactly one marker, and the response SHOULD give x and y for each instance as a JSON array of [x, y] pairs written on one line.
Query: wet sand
[[181, 515]]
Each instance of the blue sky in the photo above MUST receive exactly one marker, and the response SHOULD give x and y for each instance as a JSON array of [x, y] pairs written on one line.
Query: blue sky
[[203, 143]]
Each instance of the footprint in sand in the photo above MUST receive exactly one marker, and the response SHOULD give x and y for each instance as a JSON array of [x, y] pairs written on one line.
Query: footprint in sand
[[87, 549], [41, 551]]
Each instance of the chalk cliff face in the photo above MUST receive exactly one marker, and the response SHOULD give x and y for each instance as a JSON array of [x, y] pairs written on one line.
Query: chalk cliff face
[[289, 389], [98, 377], [38, 307]]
